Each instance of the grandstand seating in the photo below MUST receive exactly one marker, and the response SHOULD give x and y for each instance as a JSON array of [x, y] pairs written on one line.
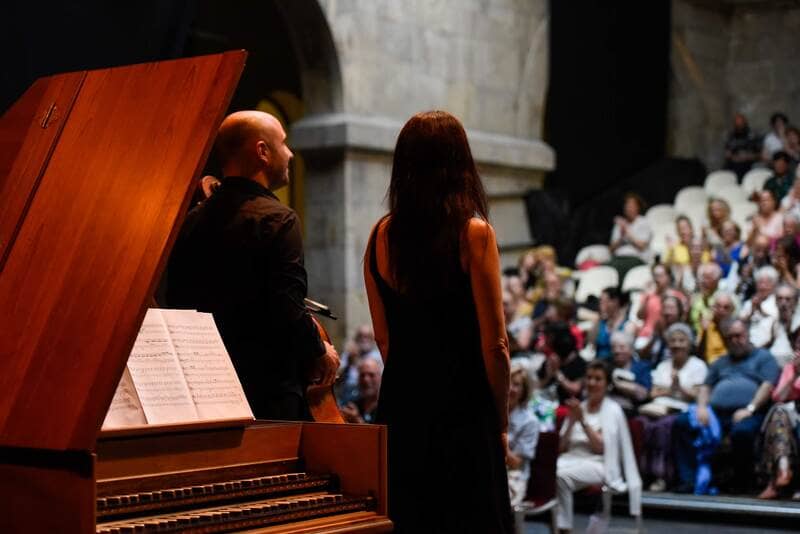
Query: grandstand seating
[[718, 179]]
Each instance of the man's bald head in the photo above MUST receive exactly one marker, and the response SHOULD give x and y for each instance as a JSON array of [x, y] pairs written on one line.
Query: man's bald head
[[250, 143]]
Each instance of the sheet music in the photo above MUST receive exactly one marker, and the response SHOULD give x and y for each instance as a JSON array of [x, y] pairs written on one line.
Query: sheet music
[[207, 368], [125, 409], [158, 376]]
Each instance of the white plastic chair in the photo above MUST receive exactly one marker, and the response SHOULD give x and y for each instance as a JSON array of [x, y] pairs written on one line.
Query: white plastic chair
[[594, 281], [754, 180], [637, 278], [718, 179], [661, 213], [697, 214], [741, 213], [598, 253], [658, 244], [730, 193], [692, 195]]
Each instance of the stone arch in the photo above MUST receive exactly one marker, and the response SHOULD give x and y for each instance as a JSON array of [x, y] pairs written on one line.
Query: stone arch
[[320, 74]]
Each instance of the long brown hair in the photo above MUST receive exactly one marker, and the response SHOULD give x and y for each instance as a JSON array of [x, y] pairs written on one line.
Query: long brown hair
[[434, 191]]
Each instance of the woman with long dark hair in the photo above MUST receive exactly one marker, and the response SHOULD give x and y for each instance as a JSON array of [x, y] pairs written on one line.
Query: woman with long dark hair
[[432, 272]]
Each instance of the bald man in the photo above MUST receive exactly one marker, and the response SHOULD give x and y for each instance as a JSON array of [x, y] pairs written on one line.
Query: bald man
[[239, 255]]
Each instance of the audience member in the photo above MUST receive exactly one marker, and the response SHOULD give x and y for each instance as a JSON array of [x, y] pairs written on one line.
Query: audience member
[[363, 408], [360, 348], [737, 389], [515, 286], [755, 257], [786, 257], [718, 212], [613, 317], [630, 379], [675, 385], [779, 457], [519, 329], [564, 368], [523, 435], [729, 250], [786, 326], [741, 147], [595, 448], [791, 202], [781, 180], [672, 311], [678, 253], [650, 306], [708, 275], [775, 139], [712, 342], [768, 221], [630, 237], [792, 147], [761, 311]]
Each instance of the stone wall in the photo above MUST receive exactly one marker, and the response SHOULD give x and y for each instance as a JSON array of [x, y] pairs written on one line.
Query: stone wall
[[728, 57], [486, 61]]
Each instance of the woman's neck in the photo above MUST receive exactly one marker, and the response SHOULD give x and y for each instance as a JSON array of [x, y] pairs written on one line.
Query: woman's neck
[[594, 404]]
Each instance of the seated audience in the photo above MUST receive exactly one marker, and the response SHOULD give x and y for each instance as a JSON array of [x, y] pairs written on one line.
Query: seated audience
[[791, 202], [768, 221], [688, 275], [761, 311], [595, 448], [630, 378], [737, 389], [775, 139], [363, 408], [564, 369], [712, 344], [781, 180], [786, 325], [523, 434], [741, 147], [630, 237], [650, 307], [675, 385], [792, 147], [543, 297], [519, 329], [613, 317], [718, 212], [779, 457], [514, 285], [756, 256], [678, 253], [729, 250], [362, 347], [708, 275], [786, 258], [672, 311]]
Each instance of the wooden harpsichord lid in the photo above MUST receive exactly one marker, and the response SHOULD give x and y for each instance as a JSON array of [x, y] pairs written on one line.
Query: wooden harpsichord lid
[[96, 171]]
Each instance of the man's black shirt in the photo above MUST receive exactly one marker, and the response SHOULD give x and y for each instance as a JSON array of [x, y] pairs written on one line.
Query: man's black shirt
[[239, 255]]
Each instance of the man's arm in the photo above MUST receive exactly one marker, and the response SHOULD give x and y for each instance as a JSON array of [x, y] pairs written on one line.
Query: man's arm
[[759, 400], [288, 285]]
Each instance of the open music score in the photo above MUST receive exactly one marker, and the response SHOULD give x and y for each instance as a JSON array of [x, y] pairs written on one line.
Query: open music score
[[177, 373]]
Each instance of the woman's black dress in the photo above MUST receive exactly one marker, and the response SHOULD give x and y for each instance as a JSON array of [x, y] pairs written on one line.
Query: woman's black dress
[[446, 460]]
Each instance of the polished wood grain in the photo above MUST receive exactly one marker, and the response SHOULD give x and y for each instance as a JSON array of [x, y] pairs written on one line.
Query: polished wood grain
[[359, 450], [94, 240], [28, 133]]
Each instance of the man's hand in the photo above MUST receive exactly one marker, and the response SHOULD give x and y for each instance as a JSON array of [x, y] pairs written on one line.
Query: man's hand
[[513, 461], [351, 414], [741, 414], [325, 367], [702, 415]]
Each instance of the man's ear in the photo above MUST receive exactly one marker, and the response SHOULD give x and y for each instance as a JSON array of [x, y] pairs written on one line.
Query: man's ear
[[262, 150]]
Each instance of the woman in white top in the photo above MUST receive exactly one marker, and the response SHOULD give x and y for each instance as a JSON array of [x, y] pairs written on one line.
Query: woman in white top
[[675, 384], [595, 448], [768, 221]]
